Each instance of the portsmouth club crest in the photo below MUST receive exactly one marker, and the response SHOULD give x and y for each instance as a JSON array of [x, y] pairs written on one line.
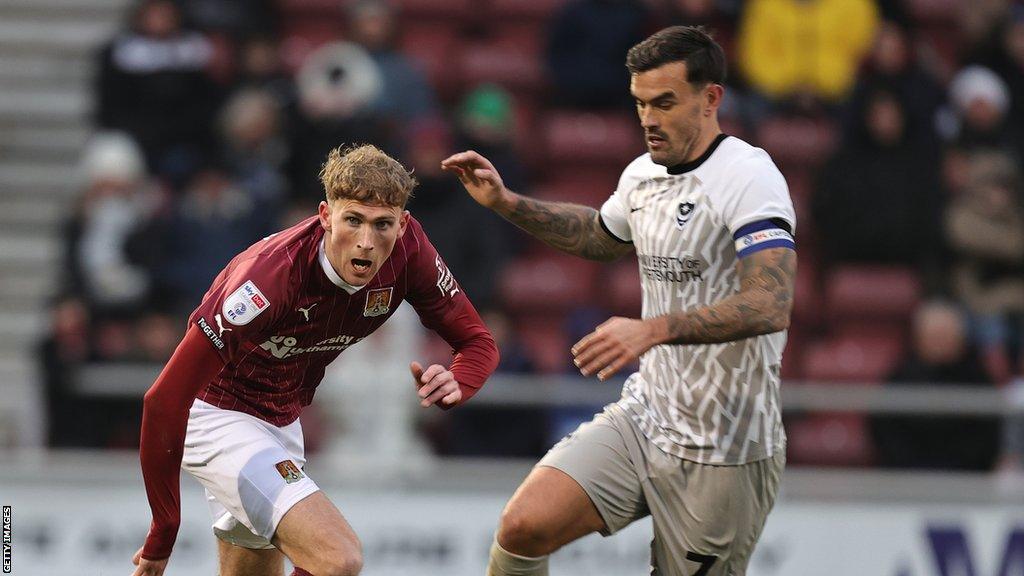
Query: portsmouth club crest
[[378, 301], [684, 213]]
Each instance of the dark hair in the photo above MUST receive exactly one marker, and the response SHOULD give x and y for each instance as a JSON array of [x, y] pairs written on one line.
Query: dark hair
[[704, 58]]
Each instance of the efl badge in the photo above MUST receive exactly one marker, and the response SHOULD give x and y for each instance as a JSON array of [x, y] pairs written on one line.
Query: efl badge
[[289, 471], [685, 211], [378, 301], [244, 304]]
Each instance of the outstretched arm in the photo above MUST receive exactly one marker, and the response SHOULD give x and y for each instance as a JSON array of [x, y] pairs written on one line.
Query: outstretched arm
[[761, 306], [164, 421], [571, 228]]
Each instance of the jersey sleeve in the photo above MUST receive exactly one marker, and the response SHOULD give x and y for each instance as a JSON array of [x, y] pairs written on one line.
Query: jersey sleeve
[[444, 308], [243, 301], [757, 208], [614, 216]]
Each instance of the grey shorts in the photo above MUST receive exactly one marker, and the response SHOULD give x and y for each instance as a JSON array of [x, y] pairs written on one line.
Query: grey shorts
[[707, 518]]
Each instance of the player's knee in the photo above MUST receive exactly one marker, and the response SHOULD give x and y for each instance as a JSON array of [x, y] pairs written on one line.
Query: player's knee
[[522, 533], [347, 564]]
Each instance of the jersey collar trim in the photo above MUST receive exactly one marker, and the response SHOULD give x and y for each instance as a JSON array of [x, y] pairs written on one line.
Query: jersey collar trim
[[696, 163], [332, 274]]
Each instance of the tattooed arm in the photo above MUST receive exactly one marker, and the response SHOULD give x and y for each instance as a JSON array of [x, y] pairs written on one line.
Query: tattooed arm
[[571, 228], [761, 306]]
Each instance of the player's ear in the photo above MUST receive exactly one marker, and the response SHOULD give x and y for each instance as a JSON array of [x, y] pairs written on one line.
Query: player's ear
[[324, 211], [713, 95], [403, 222]]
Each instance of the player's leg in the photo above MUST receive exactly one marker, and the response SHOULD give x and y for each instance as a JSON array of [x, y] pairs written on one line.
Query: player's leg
[[585, 484], [239, 561], [707, 519], [316, 537]]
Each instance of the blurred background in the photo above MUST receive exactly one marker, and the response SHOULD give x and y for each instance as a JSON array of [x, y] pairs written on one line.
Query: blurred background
[[143, 144]]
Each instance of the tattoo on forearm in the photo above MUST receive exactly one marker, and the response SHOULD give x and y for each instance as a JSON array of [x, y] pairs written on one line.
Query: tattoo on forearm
[[570, 228], [762, 305]]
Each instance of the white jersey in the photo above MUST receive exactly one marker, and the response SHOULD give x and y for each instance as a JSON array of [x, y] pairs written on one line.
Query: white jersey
[[710, 403]]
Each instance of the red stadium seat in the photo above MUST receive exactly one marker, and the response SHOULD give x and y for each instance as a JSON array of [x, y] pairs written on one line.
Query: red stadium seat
[[829, 440], [303, 37], [932, 10], [503, 62], [867, 293], [854, 358], [797, 141], [621, 288], [591, 139], [537, 11], [806, 292], [447, 10], [547, 344], [549, 283], [433, 48], [588, 188]]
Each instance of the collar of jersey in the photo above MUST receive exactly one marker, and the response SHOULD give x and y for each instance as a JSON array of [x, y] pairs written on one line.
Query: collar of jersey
[[332, 273], [695, 163]]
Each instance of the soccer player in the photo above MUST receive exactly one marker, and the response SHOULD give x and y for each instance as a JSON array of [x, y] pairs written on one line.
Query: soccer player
[[696, 441], [226, 406]]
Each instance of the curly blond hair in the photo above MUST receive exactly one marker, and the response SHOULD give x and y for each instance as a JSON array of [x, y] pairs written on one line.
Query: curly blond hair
[[366, 174]]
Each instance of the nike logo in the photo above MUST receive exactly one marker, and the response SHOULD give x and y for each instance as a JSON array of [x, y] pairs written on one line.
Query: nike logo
[[220, 325], [305, 311], [631, 210]]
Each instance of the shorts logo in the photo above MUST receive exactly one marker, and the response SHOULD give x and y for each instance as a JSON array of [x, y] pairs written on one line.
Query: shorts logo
[[685, 211], [244, 304], [289, 471], [378, 301], [445, 279]]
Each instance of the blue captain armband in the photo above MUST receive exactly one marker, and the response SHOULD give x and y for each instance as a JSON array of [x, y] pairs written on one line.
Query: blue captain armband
[[762, 235]]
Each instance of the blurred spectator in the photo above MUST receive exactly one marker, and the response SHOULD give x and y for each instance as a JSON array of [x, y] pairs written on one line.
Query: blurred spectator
[[153, 85], [260, 67], [214, 220], [789, 47], [877, 198], [891, 66], [104, 267], [940, 355], [985, 230], [337, 86], [981, 102], [231, 16], [405, 95], [486, 124], [586, 51], [255, 151], [1003, 53], [474, 243]]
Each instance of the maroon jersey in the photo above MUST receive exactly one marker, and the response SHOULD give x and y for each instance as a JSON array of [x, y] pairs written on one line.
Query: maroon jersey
[[278, 316]]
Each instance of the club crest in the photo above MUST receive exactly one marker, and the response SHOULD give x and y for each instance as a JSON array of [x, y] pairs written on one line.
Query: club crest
[[378, 302], [684, 213]]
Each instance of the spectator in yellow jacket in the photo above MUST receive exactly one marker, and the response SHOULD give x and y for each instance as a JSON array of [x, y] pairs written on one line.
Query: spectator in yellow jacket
[[788, 47]]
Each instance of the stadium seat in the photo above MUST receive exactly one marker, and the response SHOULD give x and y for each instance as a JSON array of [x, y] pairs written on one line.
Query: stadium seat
[[587, 188], [433, 48], [592, 139], [829, 439], [798, 141], [546, 342], [543, 284], [867, 293], [302, 37], [806, 292], [620, 288], [446, 10], [502, 62], [935, 10], [537, 11], [852, 357]]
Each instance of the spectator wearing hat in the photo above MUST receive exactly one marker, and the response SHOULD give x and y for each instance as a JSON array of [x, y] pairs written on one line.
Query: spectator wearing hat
[[980, 105]]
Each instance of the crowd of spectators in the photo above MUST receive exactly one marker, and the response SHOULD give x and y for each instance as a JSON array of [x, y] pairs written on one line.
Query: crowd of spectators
[[212, 122]]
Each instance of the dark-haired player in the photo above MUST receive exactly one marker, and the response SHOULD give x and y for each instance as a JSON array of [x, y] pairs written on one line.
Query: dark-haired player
[[226, 406], [696, 441]]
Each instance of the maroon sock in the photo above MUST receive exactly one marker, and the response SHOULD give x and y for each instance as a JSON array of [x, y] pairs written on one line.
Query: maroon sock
[[300, 572]]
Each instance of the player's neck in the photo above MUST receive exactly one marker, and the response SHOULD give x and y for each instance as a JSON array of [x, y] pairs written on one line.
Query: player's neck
[[709, 133]]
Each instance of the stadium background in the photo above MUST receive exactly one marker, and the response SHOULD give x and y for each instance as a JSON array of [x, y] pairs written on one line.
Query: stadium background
[[137, 156]]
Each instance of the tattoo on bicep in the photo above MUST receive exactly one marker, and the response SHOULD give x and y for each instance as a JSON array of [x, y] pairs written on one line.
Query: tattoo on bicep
[[762, 305], [568, 227]]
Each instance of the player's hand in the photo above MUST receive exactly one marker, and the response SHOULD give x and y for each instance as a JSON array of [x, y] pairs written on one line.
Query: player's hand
[[478, 175], [611, 346], [435, 383], [148, 567]]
